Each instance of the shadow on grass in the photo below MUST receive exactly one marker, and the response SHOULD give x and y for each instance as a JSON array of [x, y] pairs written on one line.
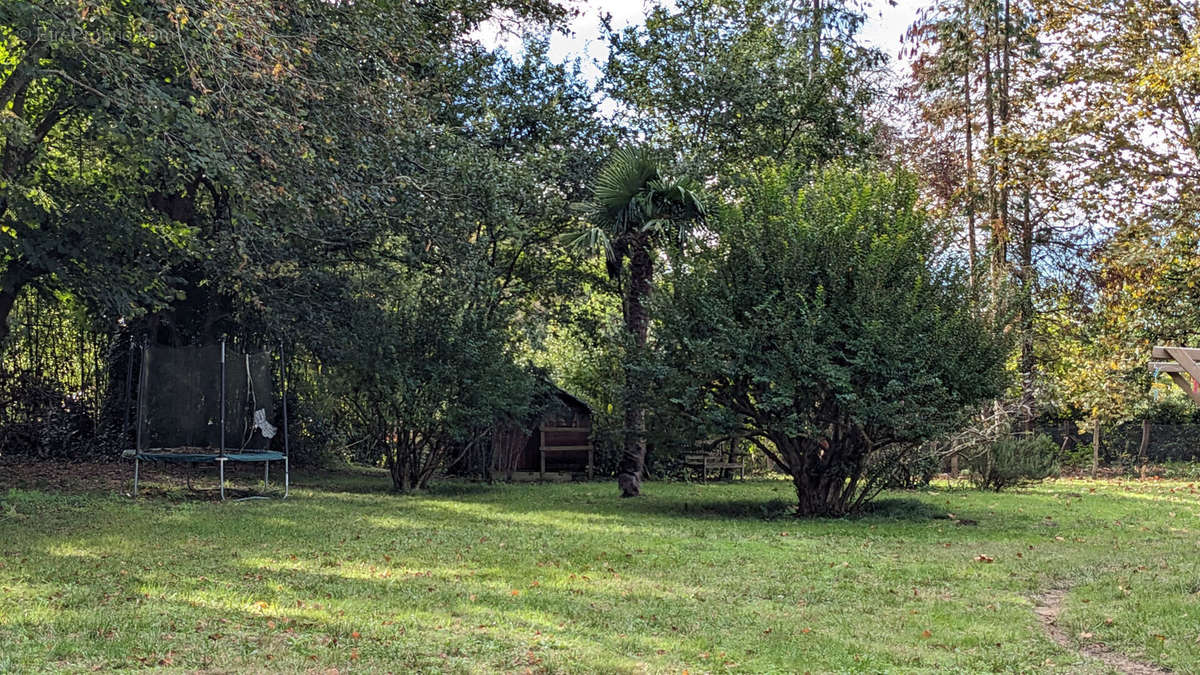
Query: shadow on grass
[[901, 508], [891, 508], [734, 509], [596, 499]]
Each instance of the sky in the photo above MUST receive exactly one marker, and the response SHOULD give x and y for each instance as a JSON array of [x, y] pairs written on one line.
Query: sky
[[884, 26]]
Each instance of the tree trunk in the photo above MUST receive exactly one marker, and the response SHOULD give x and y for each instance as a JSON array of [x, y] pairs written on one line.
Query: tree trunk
[[1027, 357], [997, 227], [399, 456], [633, 457], [7, 300], [1095, 446], [826, 473], [1003, 224], [818, 19], [11, 283], [1144, 446], [969, 183], [820, 494]]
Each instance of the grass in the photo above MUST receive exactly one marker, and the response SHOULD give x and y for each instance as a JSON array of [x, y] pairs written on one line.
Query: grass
[[568, 578]]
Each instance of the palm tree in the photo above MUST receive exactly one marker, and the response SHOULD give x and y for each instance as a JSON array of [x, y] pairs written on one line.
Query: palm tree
[[635, 210]]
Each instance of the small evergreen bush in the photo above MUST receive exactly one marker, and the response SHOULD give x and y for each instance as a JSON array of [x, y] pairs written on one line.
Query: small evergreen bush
[[1012, 461]]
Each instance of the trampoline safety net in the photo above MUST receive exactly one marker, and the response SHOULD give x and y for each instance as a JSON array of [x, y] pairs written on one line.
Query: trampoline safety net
[[180, 401]]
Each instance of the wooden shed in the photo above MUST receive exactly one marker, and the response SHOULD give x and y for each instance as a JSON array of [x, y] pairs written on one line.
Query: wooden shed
[[559, 445]]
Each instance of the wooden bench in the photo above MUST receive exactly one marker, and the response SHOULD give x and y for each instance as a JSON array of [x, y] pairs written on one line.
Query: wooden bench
[[564, 439], [708, 461]]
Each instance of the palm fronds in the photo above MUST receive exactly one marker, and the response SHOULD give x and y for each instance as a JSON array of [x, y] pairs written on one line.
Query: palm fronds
[[631, 199]]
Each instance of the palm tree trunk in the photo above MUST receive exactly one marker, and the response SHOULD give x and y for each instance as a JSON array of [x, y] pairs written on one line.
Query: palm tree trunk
[[633, 457]]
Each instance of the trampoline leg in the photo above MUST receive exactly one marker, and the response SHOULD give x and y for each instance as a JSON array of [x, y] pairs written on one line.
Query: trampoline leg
[[136, 462], [266, 475], [286, 476], [221, 469]]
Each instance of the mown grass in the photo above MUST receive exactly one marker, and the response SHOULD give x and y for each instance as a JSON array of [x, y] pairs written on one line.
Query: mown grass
[[568, 578]]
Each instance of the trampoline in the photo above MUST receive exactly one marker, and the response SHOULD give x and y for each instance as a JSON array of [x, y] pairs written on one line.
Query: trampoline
[[210, 405]]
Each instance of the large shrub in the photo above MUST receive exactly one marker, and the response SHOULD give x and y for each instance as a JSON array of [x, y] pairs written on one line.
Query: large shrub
[[427, 377], [823, 322]]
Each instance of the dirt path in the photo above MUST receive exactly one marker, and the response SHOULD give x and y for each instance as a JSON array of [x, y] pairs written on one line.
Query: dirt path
[[1048, 608]]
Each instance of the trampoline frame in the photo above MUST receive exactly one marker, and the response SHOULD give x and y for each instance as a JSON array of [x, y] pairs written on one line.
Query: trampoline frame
[[140, 454]]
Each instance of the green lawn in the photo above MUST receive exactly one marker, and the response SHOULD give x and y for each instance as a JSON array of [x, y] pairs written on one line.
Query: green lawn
[[704, 578]]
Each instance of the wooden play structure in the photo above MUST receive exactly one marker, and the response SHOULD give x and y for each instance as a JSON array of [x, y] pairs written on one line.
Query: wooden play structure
[[1180, 363]]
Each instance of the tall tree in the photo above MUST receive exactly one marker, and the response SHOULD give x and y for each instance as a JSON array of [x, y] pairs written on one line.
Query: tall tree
[[446, 301], [255, 139], [1120, 95], [635, 210], [724, 82], [978, 74]]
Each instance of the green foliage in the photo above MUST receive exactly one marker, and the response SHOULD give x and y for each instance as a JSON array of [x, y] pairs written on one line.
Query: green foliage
[[217, 160], [1189, 471], [196, 169], [63, 381], [724, 82], [1015, 460], [425, 379], [584, 352], [634, 206], [824, 325]]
